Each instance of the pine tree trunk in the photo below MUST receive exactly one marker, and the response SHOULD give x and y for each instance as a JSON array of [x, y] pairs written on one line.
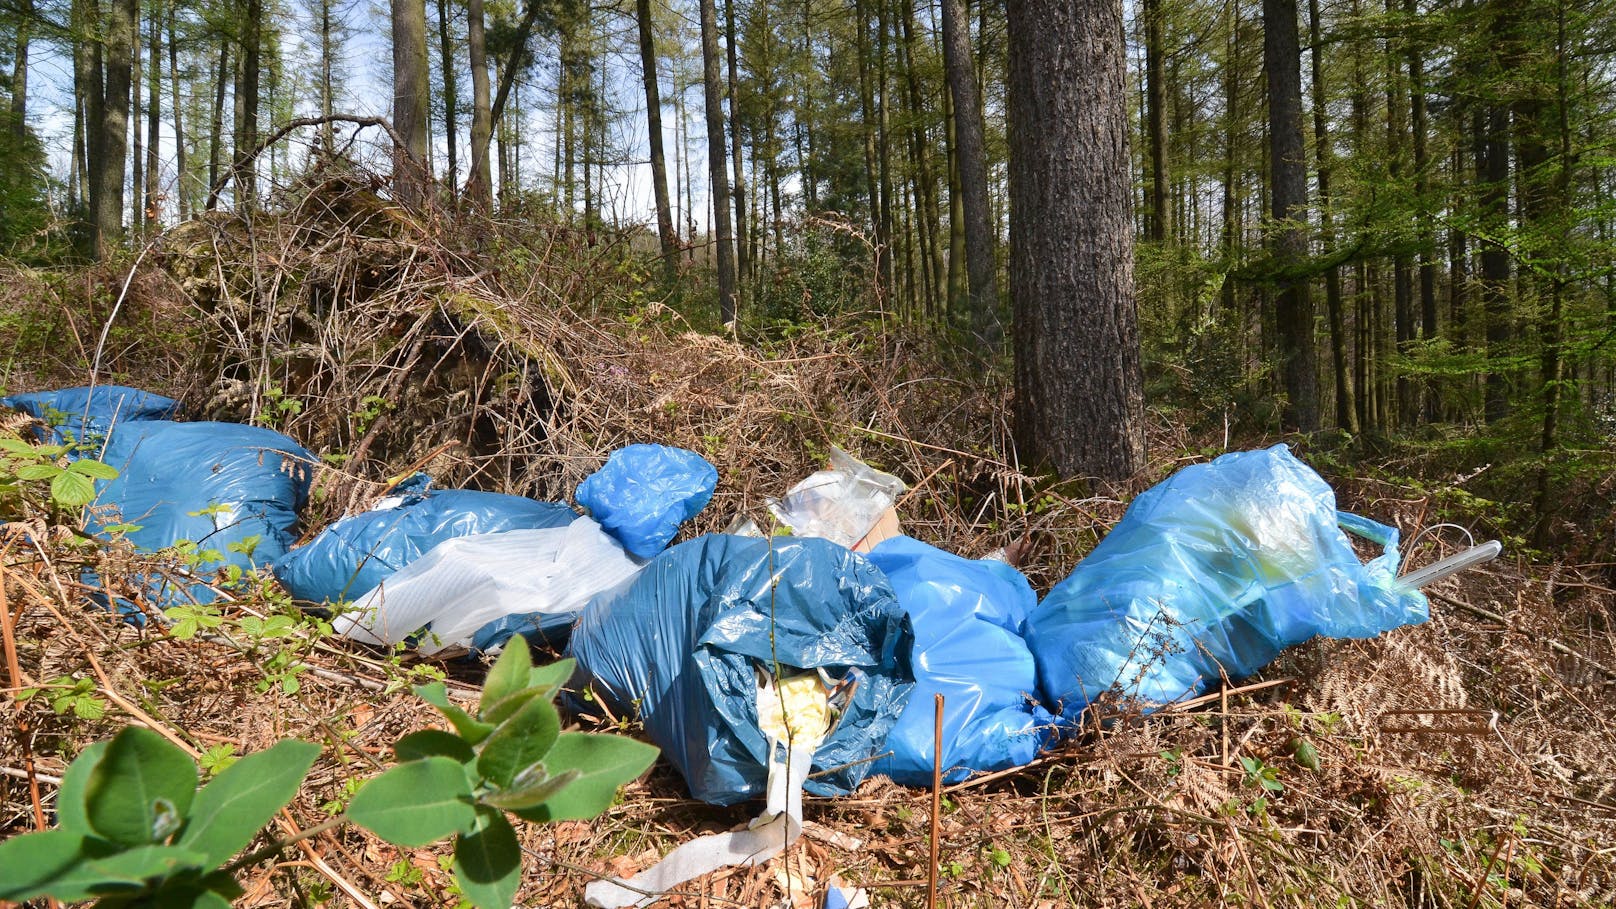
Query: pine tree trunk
[[450, 100], [216, 132], [182, 195], [1288, 207], [713, 95], [19, 70], [121, 42], [479, 190], [981, 265], [412, 88], [1079, 406], [1156, 121], [659, 166], [743, 270], [1422, 188], [154, 105], [1346, 412], [137, 129], [246, 178]]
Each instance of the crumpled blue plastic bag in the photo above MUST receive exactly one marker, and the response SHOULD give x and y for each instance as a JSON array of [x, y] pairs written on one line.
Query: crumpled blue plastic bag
[[233, 490], [82, 415], [353, 555], [644, 492], [679, 647], [1212, 573], [968, 618]]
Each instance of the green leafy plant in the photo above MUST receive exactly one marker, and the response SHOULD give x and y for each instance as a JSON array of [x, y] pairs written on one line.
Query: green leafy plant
[[72, 485], [1261, 775], [136, 831], [509, 757]]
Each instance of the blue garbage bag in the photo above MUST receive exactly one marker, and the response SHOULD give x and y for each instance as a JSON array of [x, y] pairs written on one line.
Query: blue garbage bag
[[645, 492], [680, 647], [968, 617], [232, 490], [83, 415], [1212, 573], [353, 555]]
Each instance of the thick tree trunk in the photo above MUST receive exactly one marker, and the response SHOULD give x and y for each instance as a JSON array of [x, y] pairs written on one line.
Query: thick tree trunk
[[1078, 403], [1288, 206], [653, 122], [713, 95], [121, 43], [981, 265], [411, 111], [246, 178], [479, 190]]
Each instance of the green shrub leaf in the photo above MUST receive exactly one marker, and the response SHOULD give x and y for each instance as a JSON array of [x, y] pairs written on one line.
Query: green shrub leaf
[[37, 471], [29, 862], [232, 808], [488, 863], [72, 489], [531, 789], [93, 469], [519, 742], [551, 677], [471, 730], [70, 795], [605, 762], [432, 742], [141, 790], [416, 803], [508, 676]]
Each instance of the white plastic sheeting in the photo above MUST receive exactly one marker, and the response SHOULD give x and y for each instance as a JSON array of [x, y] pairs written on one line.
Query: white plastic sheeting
[[842, 504], [464, 583]]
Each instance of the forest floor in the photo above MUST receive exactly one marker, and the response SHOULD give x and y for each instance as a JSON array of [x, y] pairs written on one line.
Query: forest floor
[[1466, 762]]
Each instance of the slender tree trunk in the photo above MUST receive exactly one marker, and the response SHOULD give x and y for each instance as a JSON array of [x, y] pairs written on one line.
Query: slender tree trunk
[[479, 192], [451, 100], [653, 122], [1078, 399], [246, 178], [1346, 413], [1156, 121], [743, 269], [1402, 262], [411, 111], [713, 96], [19, 70], [1422, 191], [221, 76], [867, 123], [1230, 243], [154, 105], [327, 57], [1288, 206], [981, 264], [927, 215], [1495, 266], [137, 128], [182, 195]]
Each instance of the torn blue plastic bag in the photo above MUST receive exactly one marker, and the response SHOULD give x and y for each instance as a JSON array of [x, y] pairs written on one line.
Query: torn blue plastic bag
[[682, 648], [232, 490], [1212, 573], [348, 559], [644, 492], [968, 617], [83, 415]]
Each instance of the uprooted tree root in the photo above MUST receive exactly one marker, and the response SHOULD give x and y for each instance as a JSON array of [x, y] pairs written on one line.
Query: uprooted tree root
[[1466, 762]]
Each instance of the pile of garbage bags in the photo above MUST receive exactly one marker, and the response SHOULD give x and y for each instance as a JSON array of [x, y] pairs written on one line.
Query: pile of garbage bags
[[845, 621]]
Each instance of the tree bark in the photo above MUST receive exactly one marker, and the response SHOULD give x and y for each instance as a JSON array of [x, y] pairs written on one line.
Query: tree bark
[[653, 121], [1288, 207], [981, 266], [154, 108], [450, 100], [121, 42], [479, 190], [216, 133], [411, 110], [182, 196], [742, 258], [713, 95], [1156, 120], [247, 128], [1346, 413], [19, 70], [1079, 404]]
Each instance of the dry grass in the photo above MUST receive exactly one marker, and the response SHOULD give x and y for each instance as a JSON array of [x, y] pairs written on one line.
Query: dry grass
[[1467, 762]]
